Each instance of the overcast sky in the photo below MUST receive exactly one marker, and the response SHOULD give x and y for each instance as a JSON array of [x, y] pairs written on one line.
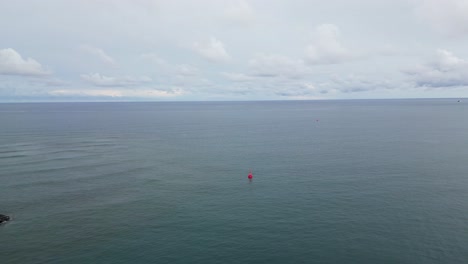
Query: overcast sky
[[59, 50]]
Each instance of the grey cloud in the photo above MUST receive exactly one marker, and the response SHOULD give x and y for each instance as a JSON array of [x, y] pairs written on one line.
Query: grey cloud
[[298, 90], [355, 84], [448, 17], [269, 65], [445, 70]]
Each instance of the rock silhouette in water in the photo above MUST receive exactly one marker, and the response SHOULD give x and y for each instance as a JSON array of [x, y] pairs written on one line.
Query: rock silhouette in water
[[4, 218]]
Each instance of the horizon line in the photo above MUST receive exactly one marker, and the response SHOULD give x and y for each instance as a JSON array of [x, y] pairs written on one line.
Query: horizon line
[[206, 101]]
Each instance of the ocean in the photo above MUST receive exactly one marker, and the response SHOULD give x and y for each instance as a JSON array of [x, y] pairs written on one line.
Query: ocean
[[340, 181]]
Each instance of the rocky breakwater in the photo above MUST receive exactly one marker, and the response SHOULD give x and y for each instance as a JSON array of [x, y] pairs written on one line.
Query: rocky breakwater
[[4, 218]]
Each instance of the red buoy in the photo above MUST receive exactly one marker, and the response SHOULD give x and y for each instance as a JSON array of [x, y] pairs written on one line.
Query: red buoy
[[250, 175]]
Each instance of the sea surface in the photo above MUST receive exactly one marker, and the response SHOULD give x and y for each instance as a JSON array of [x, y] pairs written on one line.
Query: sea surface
[[357, 181]]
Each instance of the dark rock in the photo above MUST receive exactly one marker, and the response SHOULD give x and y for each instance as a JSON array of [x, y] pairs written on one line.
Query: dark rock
[[4, 218]]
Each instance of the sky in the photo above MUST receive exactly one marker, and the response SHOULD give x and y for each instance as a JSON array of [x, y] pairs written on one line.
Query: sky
[[204, 50]]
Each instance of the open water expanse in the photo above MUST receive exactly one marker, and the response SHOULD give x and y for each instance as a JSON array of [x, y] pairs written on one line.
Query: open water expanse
[[359, 181]]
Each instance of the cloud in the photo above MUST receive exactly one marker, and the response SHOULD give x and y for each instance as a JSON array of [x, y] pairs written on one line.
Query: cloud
[[186, 70], [170, 69], [99, 53], [352, 83], [242, 47], [269, 65], [237, 77], [213, 50], [139, 93], [273, 75], [49, 82], [153, 57], [448, 17], [299, 91], [240, 12], [125, 81], [277, 86], [444, 70], [327, 49], [11, 63], [99, 93]]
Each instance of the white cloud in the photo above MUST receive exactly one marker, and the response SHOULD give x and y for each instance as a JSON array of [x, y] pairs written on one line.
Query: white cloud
[[170, 42], [141, 93], [269, 65], [99, 53], [99, 93], [445, 70], [446, 16], [11, 63], [125, 81], [186, 70], [237, 77], [153, 57], [240, 12], [446, 61], [327, 49], [51, 82], [170, 69], [212, 50]]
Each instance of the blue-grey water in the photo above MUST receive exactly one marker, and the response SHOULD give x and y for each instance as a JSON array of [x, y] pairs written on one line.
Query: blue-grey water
[[360, 181]]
